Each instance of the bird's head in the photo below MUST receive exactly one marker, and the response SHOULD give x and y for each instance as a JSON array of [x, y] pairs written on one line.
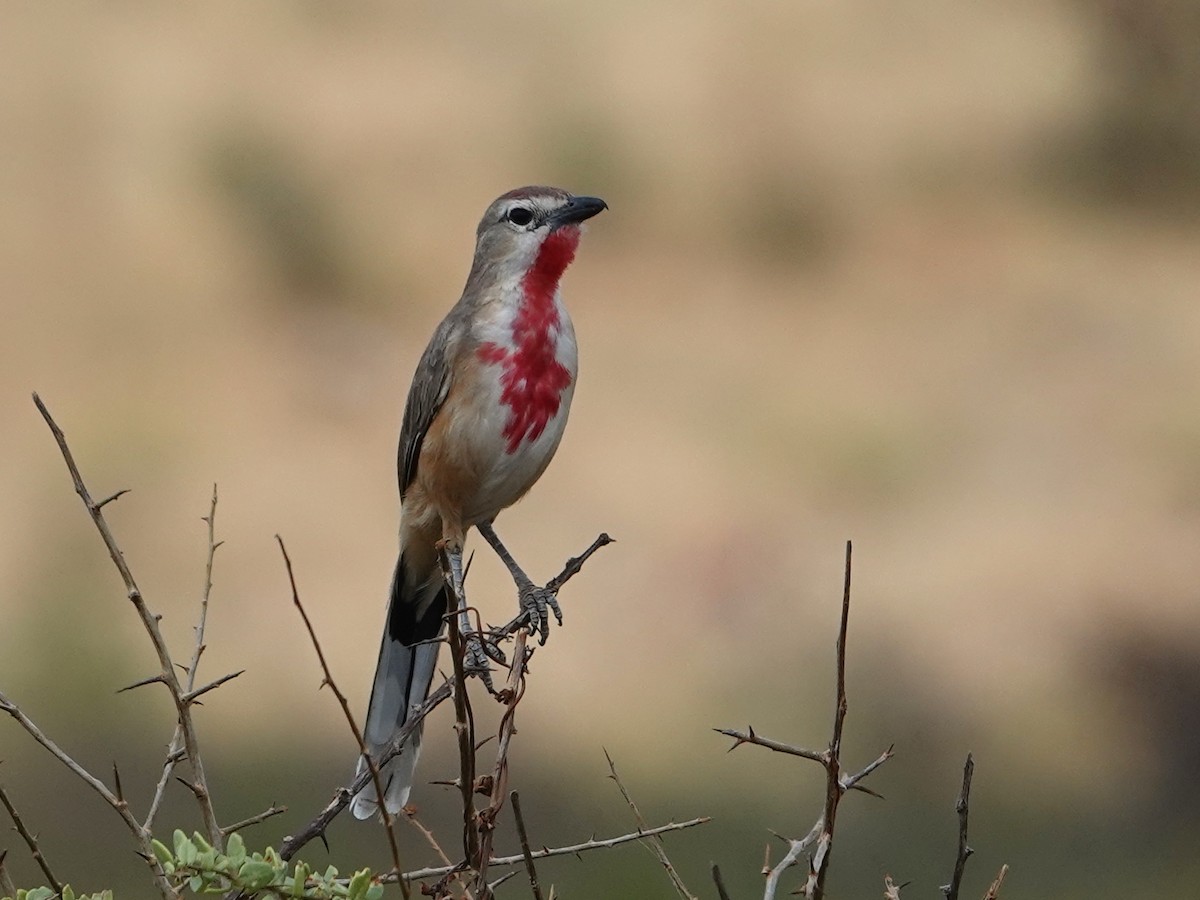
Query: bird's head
[[532, 228]]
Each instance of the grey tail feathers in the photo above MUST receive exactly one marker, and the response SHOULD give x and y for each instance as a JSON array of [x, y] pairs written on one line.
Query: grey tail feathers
[[403, 676]]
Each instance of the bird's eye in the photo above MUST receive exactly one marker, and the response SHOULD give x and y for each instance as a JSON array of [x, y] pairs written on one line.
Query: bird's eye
[[520, 216]]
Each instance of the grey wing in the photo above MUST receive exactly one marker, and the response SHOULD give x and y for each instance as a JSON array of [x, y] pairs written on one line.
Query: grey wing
[[430, 385]]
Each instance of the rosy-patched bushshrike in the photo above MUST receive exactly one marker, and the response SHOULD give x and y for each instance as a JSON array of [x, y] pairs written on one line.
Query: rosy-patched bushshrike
[[486, 410]]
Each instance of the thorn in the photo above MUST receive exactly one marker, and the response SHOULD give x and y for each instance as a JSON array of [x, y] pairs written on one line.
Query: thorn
[[117, 780], [145, 681]]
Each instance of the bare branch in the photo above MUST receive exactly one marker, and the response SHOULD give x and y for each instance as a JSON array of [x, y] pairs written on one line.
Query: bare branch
[[655, 844], [464, 722], [722, 893], [962, 807], [6, 883], [750, 736], [416, 823], [204, 689], [30, 842], [994, 891], [175, 748], [150, 622], [851, 782], [530, 869], [111, 497], [341, 698], [141, 835], [891, 890], [342, 796], [255, 819], [795, 849], [546, 853], [513, 691], [818, 864], [575, 563]]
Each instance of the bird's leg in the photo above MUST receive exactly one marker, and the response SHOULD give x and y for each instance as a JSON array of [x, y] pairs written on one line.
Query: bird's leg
[[536, 602], [475, 649]]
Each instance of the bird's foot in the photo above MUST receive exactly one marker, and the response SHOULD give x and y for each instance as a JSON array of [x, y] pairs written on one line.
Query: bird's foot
[[477, 648], [536, 605]]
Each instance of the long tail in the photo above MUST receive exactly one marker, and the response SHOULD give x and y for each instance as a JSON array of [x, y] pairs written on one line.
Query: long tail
[[402, 679]]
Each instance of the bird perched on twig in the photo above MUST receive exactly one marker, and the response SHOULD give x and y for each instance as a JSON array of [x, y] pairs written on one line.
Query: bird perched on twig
[[485, 413]]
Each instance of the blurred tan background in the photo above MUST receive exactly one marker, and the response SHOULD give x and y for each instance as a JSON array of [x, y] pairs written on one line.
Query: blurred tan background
[[919, 274]]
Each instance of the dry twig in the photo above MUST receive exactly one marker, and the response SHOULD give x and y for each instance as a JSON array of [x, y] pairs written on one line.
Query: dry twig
[[255, 819], [183, 709], [994, 891], [341, 699], [722, 893], [145, 850], [175, 748], [343, 795], [530, 869], [6, 883], [548, 852], [655, 843], [464, 723], [964, 850], [820, 837], [513, 691], [30, 842]]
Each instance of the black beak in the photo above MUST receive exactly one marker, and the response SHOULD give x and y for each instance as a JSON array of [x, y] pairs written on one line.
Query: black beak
[[576, 210]]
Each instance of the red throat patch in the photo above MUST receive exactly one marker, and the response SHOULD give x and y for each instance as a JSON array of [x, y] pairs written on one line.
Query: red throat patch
[[533, 379]]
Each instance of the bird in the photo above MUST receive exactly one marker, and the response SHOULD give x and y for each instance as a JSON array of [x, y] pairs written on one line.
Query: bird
[[484, 416]]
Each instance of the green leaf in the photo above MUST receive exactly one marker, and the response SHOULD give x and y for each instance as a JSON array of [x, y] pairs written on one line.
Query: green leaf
[[203, 845], [301, 876], [256, 874], [359, 882], [186, 853], [161, 851], [195, 883], [67, 893], [375, 891], [235, 848]]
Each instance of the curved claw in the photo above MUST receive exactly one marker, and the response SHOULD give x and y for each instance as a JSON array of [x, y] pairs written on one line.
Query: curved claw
[[537, 603], [475, 659]]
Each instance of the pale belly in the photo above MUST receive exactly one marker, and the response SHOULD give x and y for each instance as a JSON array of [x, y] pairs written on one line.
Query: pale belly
[[487, 447]]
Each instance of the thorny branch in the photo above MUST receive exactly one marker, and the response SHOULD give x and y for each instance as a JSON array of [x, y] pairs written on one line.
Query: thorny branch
[[994, 891], [175, 748], [523, 835], [962, 807], [548, 852], [6, 883], [464, 726], [513, 691], [30, 842], [341, 699], [820, 837], [655, 843], [122, 808], [341, 798], [183, 708]]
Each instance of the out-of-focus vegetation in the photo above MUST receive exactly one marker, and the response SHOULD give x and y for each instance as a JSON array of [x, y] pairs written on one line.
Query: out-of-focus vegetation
[[921, 274]]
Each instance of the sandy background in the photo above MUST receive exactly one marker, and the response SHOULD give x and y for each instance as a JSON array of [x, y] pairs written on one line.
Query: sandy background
[[922, 274]]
